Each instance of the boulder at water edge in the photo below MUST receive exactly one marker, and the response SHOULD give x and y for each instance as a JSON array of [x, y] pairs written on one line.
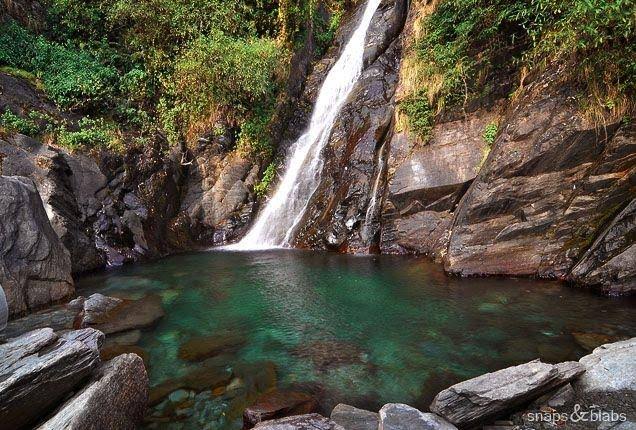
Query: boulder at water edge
[[610, 378], [485, 397], [114, 399], [300, 422], [278, 404], [35, 268], [39, 369], [397, 416], [354, 419]]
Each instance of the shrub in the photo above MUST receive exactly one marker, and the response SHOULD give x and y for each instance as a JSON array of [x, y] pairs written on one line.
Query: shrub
[[419, 114], [91, 133], [219, 76], [72, 78], [268, 177], [13, 123], [490, 133]]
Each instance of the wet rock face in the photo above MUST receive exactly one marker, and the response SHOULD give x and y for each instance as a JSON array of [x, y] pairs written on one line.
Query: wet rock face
[[546, 190], [426, 183], [336, 216], [67, 185], [609, 264], [219, 200], [385, 27], [35, 269]]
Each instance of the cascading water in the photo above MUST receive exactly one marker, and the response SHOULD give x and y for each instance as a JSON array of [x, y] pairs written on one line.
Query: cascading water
[[276, 223]]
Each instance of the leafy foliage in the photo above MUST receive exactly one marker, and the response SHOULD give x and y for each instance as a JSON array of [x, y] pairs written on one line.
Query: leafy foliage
[[12, 123], [72, 78], [419, 114], [490, 133], [90, 133], [466, 44], [268, 177]]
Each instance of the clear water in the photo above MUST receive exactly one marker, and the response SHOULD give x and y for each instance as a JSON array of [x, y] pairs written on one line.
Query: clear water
[[274, 227], [379, 328]]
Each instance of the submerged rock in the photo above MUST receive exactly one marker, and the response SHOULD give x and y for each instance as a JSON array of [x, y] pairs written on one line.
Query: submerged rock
[[329, 354], [114, 399], [40, 369], [35, 269], [487, 396], [206, 376], [397, 416], [112, 315], [278, 404], [351, 418], [300, 422], [201, 347]]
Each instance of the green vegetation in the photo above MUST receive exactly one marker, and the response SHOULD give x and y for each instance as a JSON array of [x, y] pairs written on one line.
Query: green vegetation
[[91, 133], [465, 45], [12, 123], [420, 114], [268, 176], [72, 78], [490, 133], [181, 66]]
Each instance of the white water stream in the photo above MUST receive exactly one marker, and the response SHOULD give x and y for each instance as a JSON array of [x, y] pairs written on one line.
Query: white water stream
[[275, 225]]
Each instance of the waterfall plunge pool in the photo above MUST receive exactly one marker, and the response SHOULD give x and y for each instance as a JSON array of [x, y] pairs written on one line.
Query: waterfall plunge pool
[[345, 329]]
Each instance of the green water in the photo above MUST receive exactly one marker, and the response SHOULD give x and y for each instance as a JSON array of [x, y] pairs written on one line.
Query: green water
[[358, 330]]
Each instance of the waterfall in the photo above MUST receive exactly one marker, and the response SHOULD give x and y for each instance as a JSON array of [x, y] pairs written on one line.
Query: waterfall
[[275, 225]]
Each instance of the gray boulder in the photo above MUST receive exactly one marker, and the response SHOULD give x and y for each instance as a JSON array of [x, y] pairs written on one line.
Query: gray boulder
[[40, 369], [300, 422], [398, 416], [354, 419], [115, 399], [610, 378], [35, 268], [488, 396]]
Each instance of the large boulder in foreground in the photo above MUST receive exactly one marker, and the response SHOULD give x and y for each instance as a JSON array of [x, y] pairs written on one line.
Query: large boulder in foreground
[[397, 416], [115, 399], [354, 419], [610, 378], [300, 422], [35, 268], [488, 396], [39, 369]]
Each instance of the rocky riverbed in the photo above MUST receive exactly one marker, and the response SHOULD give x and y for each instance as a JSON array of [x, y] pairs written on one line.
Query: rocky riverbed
[[598, 392], [68, 382]]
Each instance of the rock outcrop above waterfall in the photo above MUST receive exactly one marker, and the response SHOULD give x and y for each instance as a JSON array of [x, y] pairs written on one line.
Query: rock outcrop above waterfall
[[35, 268]]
